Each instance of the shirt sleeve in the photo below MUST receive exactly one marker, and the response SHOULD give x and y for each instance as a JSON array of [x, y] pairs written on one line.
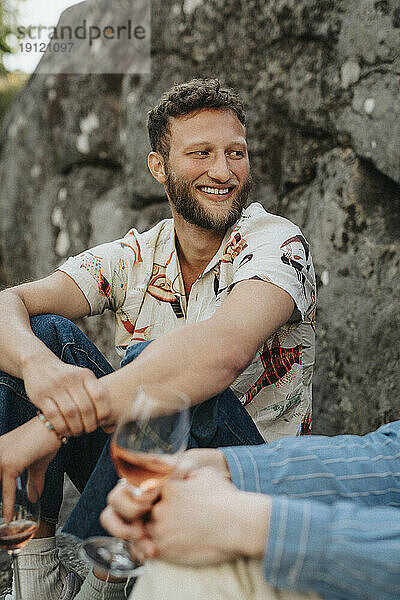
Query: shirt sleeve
[[340, 551], [335, 522], [102, 274], [273, 249], [364, 469]]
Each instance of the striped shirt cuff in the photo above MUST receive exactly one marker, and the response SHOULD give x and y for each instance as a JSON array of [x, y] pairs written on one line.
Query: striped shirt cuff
[[297, 542]]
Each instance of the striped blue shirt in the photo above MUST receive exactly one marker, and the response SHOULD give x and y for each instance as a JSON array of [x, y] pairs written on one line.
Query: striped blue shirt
[[335, 521]]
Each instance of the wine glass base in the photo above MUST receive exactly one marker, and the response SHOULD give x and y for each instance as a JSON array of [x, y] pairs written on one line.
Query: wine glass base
[[110, 555]]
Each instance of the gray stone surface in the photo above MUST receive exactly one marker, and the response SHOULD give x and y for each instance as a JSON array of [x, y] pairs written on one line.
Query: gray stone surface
[[320, 79], [351, 213]]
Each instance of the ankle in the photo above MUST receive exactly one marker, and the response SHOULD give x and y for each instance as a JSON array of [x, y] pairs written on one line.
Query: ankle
[[39, 547], [107, 577], [94, 588]]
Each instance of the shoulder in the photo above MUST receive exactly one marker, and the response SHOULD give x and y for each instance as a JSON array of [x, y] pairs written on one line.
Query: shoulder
[[258, 228], [141, 245], [255, 219], [152, 237]]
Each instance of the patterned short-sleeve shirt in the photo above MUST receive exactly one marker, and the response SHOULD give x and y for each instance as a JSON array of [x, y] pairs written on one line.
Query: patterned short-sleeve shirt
[[139, 278]]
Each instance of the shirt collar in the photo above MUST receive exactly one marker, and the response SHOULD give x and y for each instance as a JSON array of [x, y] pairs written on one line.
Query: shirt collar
[[218, 255], [173, 271]]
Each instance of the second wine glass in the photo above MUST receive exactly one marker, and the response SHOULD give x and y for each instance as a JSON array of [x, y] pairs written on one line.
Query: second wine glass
[[145, 447], [16, 532]]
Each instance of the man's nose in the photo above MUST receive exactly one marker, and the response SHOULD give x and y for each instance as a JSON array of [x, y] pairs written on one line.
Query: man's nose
[[219, 169]]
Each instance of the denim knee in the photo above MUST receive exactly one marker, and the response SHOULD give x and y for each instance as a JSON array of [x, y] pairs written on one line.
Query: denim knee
[[69, 343], [133, 352]]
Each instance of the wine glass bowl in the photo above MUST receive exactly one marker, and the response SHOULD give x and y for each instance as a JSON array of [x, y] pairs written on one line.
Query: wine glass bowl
[[16, 532], [151, 437], [146, 446]]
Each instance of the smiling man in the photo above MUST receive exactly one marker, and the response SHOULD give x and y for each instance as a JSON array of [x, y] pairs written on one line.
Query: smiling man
[[225, 294], [206, 173]]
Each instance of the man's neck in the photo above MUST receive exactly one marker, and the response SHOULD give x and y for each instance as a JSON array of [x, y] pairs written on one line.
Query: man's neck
[[195, 248]]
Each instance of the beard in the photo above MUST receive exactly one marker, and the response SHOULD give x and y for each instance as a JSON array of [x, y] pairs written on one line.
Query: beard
[[186, 204]]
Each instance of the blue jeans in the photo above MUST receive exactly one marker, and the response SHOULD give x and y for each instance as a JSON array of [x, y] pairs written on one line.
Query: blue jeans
[[220, 421]]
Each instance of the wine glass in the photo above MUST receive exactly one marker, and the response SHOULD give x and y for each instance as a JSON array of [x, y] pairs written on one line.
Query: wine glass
[[146, 446], [16, 533]]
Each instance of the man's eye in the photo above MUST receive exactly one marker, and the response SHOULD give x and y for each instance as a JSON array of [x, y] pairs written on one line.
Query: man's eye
[[199, 152], [237, 153]]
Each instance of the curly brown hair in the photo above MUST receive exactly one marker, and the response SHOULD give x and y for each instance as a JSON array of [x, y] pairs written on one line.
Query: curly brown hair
[[185, 98]]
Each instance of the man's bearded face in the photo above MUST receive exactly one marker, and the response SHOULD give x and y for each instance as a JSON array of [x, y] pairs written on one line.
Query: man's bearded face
[[183, 197]]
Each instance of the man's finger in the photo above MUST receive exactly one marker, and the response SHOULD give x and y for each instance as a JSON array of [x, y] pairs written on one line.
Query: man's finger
[[144, 549], [34, 486], [99, 397], [128, 506], [107, 428], [37, 473], [9, 487], [86, 408], [70, 413], [54, 415], [111, 521]]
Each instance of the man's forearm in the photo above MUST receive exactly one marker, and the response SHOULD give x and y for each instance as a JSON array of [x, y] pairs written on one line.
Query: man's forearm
[[195, 360], [18, 344], [204, 358], [68, 395]]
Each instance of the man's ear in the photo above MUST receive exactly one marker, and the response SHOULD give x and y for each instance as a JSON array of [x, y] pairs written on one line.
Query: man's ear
[[156, 165]]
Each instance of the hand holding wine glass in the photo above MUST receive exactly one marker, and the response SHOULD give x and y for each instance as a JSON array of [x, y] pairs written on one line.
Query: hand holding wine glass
[[19, 528], [146, 447]]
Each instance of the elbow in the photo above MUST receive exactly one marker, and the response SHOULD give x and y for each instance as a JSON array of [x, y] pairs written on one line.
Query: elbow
[[235, 360]]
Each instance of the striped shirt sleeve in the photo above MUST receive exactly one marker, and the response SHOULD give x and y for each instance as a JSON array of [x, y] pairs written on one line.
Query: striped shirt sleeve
[[340, 551], [335, 521], [365, 469]]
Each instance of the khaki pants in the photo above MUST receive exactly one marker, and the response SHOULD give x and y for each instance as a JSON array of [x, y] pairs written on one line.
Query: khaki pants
[[239, 580]]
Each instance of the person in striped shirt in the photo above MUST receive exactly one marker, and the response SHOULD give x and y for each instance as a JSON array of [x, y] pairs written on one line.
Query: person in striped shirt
[[300, 518]]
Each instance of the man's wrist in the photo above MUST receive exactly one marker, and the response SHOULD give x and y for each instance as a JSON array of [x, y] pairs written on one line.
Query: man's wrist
[[208, 457], [252, 524], [34, 354], [221, 464], [34, 430]]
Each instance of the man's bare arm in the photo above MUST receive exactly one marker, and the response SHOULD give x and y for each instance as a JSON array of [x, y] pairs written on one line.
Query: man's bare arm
[[57, 294], [66, 394], [202, 359]]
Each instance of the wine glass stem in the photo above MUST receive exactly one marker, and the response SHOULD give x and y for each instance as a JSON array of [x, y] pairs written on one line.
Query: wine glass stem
[[17, 583]]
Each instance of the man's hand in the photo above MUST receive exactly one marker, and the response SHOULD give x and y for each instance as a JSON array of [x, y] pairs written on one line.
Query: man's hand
[[205, 519], [124, 512], [199, 520], [29, 446], [197, 458], [70, 397], [123, 517]]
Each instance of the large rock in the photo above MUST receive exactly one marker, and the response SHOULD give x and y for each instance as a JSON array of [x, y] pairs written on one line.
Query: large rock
[[351, 213], [321, 82]]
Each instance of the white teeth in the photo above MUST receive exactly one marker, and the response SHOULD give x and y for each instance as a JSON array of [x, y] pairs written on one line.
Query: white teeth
[[217, 191]]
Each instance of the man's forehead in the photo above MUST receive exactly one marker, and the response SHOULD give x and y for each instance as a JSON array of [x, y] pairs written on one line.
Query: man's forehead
[[203, 125]]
